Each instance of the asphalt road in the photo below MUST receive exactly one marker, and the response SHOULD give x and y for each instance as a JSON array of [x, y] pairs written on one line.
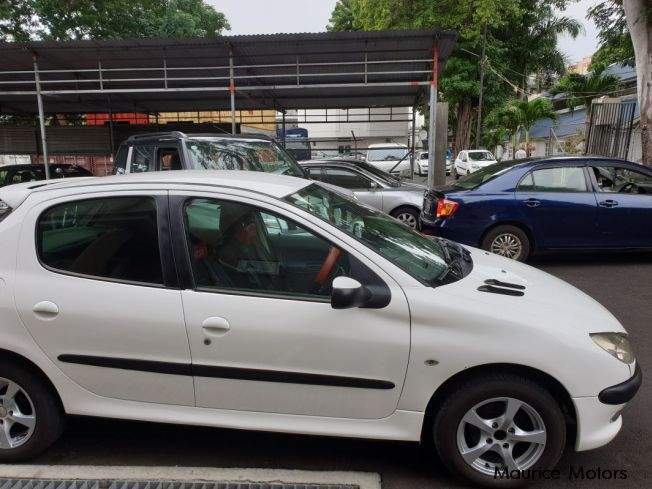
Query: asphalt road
[[622, 283]]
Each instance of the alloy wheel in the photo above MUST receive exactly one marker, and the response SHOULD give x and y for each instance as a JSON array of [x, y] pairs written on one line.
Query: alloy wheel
[[407, 218], [17, 415], [501, 433], [508, 245]]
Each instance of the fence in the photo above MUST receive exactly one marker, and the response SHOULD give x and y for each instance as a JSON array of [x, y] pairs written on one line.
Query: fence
[[610, 128]]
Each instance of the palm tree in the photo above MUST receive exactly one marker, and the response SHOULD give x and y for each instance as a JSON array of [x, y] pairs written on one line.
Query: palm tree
[[582, 89], [506, 118], [531, 111]]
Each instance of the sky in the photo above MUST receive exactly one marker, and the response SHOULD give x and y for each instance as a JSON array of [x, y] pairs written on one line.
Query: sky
[[273, 16]]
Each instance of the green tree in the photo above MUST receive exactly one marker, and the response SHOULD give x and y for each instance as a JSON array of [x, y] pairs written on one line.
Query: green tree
[[531, 111], [342, 17], [505, 118], [582, 89], [615, 42], [62, 20]]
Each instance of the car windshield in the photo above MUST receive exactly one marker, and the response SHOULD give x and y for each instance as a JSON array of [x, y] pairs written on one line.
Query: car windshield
[[475, 179], [481, 156], [421, 257], [242, 154], [378, 173], [386, 154]]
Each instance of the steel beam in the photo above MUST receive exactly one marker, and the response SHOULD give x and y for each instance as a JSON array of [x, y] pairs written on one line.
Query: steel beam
[[433, 115], [41, 118]]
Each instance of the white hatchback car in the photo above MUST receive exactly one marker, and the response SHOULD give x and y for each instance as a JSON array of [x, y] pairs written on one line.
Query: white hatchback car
[[254, 301], [472, 160]]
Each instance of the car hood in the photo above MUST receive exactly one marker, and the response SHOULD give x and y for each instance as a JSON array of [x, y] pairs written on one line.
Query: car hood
[[546, 300]]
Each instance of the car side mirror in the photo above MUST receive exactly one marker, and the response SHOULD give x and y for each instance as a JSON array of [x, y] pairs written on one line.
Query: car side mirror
[[349, 293], [374, 185]]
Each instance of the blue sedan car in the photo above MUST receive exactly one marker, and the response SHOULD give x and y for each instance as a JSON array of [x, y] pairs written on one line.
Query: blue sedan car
[[522, 207]]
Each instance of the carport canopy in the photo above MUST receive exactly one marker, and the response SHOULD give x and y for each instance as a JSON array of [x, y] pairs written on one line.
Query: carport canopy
[[277, 71]]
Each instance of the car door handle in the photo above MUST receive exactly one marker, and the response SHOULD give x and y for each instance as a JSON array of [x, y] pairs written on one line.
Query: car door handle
[[532, 203], [215, 326], [608, 203], [46, 309]]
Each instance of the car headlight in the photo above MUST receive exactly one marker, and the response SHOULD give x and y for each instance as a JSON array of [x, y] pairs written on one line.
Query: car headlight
[[616, 344]]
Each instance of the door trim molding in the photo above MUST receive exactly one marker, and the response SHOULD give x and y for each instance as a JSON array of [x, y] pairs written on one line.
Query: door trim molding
[[220, 372]]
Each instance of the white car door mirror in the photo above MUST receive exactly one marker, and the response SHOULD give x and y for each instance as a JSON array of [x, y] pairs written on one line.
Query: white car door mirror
[[374, 185], [348, 293]]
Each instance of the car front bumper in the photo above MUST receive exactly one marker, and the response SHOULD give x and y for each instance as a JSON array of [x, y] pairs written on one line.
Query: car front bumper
[[599, 418]]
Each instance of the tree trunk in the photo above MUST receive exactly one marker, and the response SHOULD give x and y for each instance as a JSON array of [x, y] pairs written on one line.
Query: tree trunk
[[527, 142], [463, 126], [639, 22]]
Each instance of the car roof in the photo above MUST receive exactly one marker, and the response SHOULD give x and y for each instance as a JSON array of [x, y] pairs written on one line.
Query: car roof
[[277, 186], [386, 145], [157, 136], [571, 159]]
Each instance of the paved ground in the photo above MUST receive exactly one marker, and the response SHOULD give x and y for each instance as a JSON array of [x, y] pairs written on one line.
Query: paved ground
[[621, 283]]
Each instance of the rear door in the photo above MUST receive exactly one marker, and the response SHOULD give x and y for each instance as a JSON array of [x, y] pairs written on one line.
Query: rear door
[[559, 205], [624, 198], [96, 292], [368, 191]]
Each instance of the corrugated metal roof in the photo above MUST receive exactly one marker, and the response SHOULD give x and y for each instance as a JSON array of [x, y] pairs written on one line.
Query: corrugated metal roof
[[400, 57]]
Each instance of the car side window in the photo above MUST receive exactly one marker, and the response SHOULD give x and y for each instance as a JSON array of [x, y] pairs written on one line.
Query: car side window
[[168, 159], [120, 161], [238, 247], [622, 180], [3, 176], [561, 179], [315, 173], [110, 238], [526, 184], [345, 178], [142, 159]]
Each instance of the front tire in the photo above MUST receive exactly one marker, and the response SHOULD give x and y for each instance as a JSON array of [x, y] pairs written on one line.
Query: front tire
[[508, 241], [499, 421], [30, 416], [407, 215]]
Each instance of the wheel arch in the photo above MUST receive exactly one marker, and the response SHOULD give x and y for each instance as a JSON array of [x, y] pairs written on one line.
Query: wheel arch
[[522, 226], [26, 363], [405, 206], [552, 385]]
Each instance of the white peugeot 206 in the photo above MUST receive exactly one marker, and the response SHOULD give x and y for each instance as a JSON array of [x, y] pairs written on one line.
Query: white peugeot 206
[[255, 301]]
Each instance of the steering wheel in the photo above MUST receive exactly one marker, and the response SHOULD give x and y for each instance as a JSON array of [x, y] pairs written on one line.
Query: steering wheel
[[327, 267], [629, 188]]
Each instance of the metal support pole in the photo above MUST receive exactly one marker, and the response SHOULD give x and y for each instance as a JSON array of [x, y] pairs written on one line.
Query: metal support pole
[[414, 123], [41, 118], [433, 116], [99, 69], [165, 72], [111, 135], [283, 126], [232, 90]]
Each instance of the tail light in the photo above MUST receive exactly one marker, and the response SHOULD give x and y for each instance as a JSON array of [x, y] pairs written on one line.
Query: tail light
[[5, 210], [446, 208]]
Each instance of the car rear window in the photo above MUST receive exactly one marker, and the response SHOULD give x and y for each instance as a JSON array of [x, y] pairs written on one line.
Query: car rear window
[[110, 238]]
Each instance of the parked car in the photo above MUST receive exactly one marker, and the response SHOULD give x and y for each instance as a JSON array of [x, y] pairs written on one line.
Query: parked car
[[11, 174], [521, 207], [422, 164], [389, 157], [371, 186], [176, 150], [255, 301], [472, 160]]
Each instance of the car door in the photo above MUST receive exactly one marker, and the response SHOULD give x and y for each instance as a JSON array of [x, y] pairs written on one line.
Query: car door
[[263, 334], [95, 289], [624, 198], [364, 188], [559, 205]]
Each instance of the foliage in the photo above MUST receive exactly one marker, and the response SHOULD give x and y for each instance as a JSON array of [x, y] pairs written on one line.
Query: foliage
[[615, 41], [521, 40], [581, 89], [61, 20]]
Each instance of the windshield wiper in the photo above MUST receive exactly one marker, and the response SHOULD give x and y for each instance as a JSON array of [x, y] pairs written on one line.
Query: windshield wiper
[[458, 260]]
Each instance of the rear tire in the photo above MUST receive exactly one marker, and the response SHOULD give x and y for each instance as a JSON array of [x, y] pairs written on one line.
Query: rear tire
[[487, 401], [407, 215], [33, 413], [508, 241]]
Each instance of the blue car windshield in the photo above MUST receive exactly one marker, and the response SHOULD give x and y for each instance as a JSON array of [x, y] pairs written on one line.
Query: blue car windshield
[[475, 179]]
